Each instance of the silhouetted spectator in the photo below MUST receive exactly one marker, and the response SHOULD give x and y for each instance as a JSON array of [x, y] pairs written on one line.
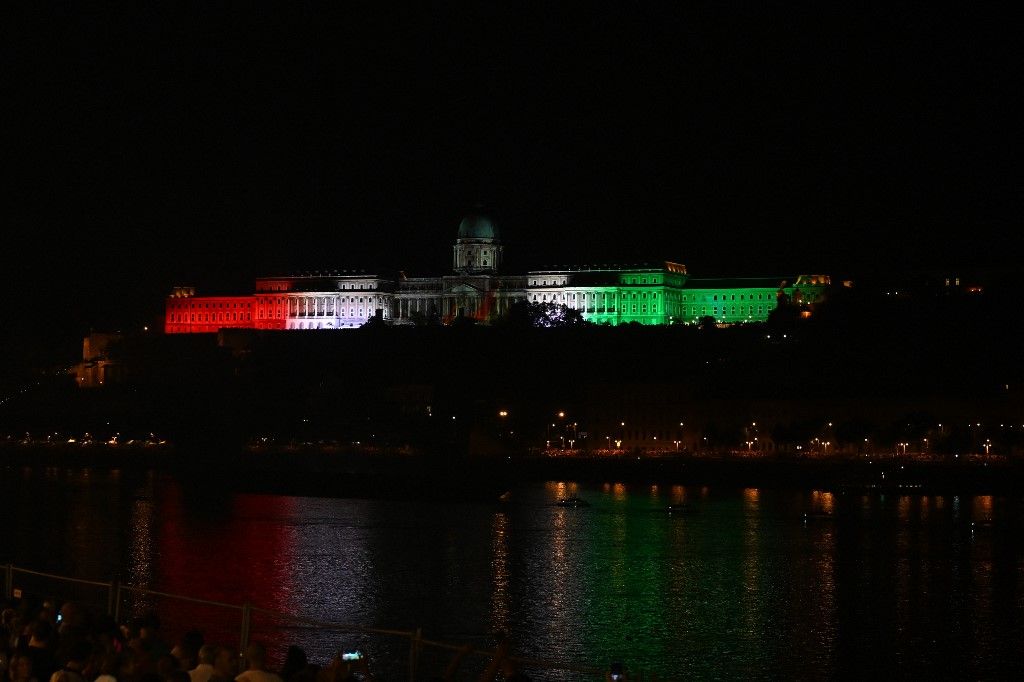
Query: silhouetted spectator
[[74, 667], [204, 669], [106, 664], [256, 670], [225, 665], [166, 665], [149, 634], [187, 649], [294, 661], [40, 649]]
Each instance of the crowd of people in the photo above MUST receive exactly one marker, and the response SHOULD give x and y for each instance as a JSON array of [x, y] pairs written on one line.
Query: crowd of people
[[70, 644]]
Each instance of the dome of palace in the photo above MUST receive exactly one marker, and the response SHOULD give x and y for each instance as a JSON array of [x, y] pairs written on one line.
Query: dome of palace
[[477, 227]]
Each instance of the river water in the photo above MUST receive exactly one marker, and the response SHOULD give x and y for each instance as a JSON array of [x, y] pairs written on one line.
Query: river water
[[752, 583]]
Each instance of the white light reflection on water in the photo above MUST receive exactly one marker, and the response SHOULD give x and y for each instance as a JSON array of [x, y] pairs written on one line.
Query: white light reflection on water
[[500, 595], [140, 544]]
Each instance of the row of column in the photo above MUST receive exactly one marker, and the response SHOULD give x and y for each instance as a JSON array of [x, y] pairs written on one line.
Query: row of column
[[318, 306]]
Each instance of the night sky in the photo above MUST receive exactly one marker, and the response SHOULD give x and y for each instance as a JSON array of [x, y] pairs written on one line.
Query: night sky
[[209, 144]]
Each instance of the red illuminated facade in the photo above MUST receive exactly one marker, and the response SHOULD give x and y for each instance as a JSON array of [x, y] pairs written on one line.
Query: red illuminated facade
[[187, 313]]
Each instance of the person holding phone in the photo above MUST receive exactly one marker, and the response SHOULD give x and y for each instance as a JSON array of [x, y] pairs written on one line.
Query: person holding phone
[[349, 664]]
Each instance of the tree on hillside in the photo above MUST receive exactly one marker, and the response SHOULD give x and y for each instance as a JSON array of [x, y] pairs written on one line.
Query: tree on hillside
[[544, 314]]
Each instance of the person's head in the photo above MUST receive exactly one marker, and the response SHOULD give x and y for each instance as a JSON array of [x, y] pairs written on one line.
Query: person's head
[[39, 633], [165, 665], [207, 654], [79, 654], [187, 649], [127, 665], [255, 656], [149, 627], [7, 620], [108, 664], [226, 662], [72, 616], [294, 660]]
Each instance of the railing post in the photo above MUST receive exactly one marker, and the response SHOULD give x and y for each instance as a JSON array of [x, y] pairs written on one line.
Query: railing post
[[414, 653], [112, 593], [117, 603], [9, 582], [246, 622]]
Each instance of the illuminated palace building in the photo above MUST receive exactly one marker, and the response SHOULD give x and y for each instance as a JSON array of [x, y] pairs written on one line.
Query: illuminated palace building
[[651, 295]]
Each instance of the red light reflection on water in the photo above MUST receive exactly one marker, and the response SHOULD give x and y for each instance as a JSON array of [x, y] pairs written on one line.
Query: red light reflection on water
[[192, 558]]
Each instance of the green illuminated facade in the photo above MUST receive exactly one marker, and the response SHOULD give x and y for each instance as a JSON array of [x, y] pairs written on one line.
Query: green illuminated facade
[[667, 295]]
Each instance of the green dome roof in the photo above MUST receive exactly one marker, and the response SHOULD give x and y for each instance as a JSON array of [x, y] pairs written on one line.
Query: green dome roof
[[477, 227]]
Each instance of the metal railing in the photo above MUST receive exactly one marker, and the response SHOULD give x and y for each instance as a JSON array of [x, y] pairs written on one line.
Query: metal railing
[[115, 593]]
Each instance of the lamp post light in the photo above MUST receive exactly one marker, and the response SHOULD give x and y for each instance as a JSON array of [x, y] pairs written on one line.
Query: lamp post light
[[987, 445]]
